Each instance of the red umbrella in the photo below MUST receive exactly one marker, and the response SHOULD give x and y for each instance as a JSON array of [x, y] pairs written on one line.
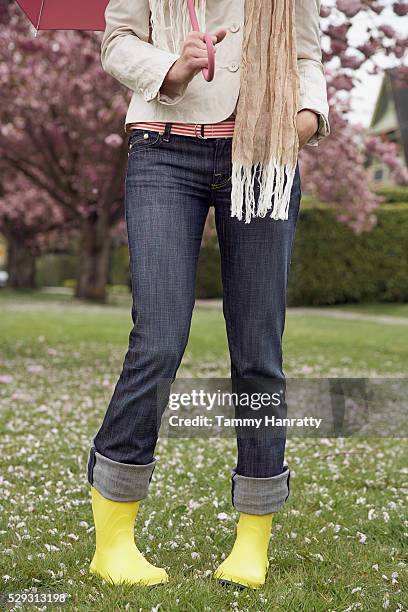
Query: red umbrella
[[68, 15], [90, 15]]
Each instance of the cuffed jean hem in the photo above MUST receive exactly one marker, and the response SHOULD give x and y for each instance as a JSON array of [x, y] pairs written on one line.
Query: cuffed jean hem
[[117, 481], [260, 495]]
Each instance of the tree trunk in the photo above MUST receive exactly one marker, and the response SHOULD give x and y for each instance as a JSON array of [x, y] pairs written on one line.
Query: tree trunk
[[20, 264], [94, 259]]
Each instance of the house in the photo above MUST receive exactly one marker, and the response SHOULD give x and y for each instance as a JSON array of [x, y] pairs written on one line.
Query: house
[[390, 118]]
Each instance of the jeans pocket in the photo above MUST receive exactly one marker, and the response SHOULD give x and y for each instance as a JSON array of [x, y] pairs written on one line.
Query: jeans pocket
[[141, 140]]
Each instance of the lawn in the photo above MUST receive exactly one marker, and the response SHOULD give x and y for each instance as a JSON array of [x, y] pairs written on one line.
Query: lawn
[[337, 545], [392, 310]]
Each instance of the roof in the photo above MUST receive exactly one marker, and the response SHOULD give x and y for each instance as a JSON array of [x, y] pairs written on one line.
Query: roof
[[391, 109], [384, 117]]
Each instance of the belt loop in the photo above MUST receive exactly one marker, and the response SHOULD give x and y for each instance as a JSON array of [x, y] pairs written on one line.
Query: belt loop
[[166, 133], [201, 134]]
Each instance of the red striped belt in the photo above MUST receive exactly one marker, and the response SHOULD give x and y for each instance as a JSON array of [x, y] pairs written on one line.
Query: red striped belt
[[223, 129]]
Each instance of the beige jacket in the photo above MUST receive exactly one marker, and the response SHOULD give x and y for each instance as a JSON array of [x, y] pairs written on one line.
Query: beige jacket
[[129, 56]]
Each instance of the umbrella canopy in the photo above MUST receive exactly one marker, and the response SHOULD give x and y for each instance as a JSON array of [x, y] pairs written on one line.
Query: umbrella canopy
[[69, 15]]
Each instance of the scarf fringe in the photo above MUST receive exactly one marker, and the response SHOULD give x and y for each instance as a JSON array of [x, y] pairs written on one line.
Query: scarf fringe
[[170, 22], [269, 72], [275, 186]]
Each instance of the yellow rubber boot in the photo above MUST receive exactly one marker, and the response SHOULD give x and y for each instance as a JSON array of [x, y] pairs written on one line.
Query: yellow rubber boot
[[248, 563], [116, 558]]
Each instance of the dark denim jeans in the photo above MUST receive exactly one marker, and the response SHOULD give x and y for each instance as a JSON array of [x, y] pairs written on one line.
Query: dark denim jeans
[[171, 182]]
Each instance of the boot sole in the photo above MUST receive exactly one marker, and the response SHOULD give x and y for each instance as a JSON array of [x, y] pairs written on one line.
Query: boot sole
[[129, 582], [227, 583]]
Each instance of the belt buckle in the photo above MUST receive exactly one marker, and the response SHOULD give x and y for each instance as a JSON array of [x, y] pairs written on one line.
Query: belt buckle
[[195, 131]]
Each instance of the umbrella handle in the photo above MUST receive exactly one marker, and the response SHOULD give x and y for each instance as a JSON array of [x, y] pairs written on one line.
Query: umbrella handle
[[208, 73]]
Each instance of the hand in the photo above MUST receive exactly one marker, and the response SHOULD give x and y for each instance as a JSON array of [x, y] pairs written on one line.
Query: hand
[[307, 124], [193, 58]]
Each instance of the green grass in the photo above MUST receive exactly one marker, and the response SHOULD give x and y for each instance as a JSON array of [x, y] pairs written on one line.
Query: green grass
[[337, 545], [390, 310]]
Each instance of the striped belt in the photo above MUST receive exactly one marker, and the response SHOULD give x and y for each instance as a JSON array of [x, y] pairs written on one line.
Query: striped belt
[[223, 129]]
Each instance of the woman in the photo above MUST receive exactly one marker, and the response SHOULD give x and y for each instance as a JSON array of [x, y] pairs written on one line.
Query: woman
[[193, 145]]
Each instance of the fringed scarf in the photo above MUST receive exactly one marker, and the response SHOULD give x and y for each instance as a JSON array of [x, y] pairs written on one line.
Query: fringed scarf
[[265, 143]]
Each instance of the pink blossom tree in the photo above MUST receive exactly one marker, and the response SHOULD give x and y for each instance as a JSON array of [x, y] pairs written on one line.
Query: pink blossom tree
[[32, 222], [62, 129], [335, 171], [61, 121]]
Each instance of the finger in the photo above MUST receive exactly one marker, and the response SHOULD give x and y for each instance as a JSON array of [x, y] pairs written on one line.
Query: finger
[[196, 38], [200, 47], [197, 50], [199, 53], [199, 63], [302, 140], [218, 36]]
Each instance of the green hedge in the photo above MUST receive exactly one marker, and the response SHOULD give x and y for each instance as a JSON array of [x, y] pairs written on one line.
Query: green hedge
[[330, 264], [208, 285], [119, 269], [393, 193], [53, 269], [333, 265]]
